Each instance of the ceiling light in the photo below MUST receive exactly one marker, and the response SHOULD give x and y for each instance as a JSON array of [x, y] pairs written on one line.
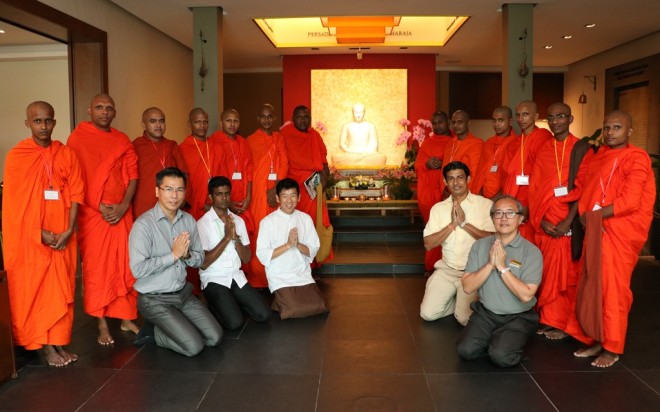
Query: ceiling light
[[590, 25], [547, 47], [2, 31], [566, 37]]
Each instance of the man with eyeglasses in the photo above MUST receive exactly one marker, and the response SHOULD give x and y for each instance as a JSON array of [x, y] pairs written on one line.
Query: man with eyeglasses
[[455, 224], [505, 269], [163, 242]]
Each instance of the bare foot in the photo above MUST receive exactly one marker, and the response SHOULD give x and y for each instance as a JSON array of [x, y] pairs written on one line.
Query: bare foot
[[104, 338], [605, 359], [129, 326], [588, 352], [53, 358], [543, 329], [68, 356], [555, 334]]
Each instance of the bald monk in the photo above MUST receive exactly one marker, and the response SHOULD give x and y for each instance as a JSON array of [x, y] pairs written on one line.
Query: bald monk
[[155, 152], [463, 147], [519, 160], [488, 177], [307, 155], [271, 165], [204, 159], [43, 188], [109, 169], [616, 189], [551, 216], [428, 167]]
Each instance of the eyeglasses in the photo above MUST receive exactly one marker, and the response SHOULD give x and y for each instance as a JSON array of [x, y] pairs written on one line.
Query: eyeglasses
[[560, 116], [510, 214], [171, 190]]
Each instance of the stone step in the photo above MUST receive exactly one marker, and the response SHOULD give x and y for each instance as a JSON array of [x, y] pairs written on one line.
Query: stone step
[[339, 222], [367, 269]]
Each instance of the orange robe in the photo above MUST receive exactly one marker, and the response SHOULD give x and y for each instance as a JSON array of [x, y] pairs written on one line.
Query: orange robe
[[41, 280], [516, 163], [204, 161], [485, 181], [556, 294], [429, 186], [629, 184], [268, 156], [467, 151], [152, 158], [108, 164], [307, 154]]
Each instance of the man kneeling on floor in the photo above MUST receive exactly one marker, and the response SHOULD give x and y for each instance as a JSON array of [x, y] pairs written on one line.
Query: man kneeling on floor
[[506, 269], [286, 246], [455, 224], [225, 241], [162, 243]]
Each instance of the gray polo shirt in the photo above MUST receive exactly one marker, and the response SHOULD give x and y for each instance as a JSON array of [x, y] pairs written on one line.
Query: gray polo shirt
[[526, 263], [150, 251]]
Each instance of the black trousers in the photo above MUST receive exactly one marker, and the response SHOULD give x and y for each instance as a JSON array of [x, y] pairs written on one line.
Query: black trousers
[[501, 337], [226, 304]]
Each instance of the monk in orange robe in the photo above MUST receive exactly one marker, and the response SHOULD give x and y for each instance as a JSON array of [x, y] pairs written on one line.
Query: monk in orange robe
[[205, 159], [307, 155], [270, 166], [463, 147], [428, 168], [155, 152], [518, 164], [551, 216], [42, 190], [615, 184], [488, 176], [109, 170]]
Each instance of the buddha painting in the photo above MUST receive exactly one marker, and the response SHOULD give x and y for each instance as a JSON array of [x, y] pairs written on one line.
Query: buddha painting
[[358, 142]]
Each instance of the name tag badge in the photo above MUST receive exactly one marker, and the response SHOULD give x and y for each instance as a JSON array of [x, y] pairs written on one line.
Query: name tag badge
[[561, 191], [236, 176], [493, 169], [597, 206], [522, 180], [51, 195], [226, 263], [272, 176]]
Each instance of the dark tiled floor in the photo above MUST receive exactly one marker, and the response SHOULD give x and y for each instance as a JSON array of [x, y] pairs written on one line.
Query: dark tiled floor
[[371, 353]]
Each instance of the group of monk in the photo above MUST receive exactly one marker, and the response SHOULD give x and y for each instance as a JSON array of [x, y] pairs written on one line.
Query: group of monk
[[87, 193], [588, 208]]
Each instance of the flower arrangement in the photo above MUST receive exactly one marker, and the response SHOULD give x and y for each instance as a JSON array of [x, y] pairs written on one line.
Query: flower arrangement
[[414, 138], [320, 127], [361, 182], [398, 180]]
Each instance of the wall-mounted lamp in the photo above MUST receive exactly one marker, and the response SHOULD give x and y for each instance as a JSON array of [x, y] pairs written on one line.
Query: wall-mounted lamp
[[583, 97]]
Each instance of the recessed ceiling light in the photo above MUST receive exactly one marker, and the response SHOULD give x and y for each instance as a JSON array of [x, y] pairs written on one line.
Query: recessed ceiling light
[[547, 47], [2, 31], [590, 25], [566, 37]]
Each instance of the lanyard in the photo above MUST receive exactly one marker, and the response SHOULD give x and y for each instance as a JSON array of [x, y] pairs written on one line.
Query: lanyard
[[522, 151], [49, 168], [161, 159], [270, 154], [453, 152], [560, 165], [208, 155], [233, 154], [604, 188]]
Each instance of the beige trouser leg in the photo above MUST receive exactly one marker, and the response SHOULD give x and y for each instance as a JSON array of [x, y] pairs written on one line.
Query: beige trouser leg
[[444, 295]]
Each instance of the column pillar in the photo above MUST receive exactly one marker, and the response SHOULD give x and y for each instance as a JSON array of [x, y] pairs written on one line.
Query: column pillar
[[207, 58], [517, 19]]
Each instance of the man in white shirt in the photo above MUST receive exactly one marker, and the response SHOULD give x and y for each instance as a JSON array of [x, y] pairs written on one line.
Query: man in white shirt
[[225, 241], [455, 224], [286, 246]]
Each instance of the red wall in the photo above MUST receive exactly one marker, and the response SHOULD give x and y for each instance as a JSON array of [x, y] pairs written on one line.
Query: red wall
[[296, 79]]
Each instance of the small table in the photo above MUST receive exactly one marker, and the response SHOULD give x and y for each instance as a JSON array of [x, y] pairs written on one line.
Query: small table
[[382, 205]]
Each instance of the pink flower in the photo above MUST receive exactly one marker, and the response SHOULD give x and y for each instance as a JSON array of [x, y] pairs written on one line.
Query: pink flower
[[403, 137], [404, 122], [320, 126]]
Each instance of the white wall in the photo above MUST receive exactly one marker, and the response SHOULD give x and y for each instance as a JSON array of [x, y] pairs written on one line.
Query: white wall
[[23, 82], [146, 67], [593, 111]]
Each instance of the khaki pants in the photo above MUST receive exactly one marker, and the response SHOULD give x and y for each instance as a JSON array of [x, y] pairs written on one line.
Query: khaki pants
[[444, 295]]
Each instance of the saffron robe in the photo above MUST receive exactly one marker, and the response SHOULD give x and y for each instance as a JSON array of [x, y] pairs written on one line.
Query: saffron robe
[[268, 156], [485, 181], [152, 158], [204, 160], [108, 162], [467, 151], [629, 184], [518, 158], [307, 154], [41, 280], [430, 186], [556, 293]]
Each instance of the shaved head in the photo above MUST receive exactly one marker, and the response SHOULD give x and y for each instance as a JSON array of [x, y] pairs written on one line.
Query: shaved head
[[562, 107], [39, 104], [622, 114], [147, 112]]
